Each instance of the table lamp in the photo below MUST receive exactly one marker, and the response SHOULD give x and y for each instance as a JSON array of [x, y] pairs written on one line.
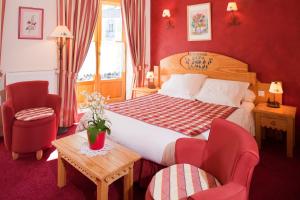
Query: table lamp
[[150, 77], [275, 88]]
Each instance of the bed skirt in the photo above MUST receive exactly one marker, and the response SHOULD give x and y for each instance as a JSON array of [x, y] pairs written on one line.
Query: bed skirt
[[144, 170]]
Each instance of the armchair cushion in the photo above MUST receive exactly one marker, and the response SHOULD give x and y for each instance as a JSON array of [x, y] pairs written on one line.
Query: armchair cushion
[[34, 123], [34, 114], [180, 181]]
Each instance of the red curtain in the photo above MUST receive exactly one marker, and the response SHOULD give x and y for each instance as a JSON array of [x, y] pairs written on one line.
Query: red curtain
[[135, 19], [2, 11], [80, 16]]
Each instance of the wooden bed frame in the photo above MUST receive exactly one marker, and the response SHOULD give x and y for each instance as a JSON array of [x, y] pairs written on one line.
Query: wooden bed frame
[[214, 66]]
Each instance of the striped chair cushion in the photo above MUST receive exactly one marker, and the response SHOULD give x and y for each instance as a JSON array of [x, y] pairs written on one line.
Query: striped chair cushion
[[180, 181], [34, 114]]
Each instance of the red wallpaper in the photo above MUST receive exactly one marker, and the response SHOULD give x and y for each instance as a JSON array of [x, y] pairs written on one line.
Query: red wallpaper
[[268, 38]]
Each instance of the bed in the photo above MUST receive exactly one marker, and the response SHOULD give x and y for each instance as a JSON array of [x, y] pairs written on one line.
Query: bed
[[155, 143]]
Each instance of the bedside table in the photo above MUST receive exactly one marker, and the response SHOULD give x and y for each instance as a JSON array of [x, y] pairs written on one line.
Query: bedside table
[[282, 119], [143, 91]]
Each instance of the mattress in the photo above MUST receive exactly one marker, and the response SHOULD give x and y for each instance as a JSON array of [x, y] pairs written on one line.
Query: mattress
[[154, 143]]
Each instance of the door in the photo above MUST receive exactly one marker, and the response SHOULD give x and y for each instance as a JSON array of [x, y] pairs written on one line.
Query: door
[[104, 68], [112, 79]]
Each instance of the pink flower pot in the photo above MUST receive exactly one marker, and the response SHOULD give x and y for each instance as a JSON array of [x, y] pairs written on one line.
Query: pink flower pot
[[99, 142]]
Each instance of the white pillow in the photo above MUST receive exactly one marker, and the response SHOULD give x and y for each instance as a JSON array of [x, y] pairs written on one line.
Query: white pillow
[[249, 96], [222, 92], [184, 86]]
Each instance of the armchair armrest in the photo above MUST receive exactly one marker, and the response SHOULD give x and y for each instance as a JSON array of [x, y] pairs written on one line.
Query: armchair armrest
[[230, 191], [54, 101], [189, 150], [8, 117]]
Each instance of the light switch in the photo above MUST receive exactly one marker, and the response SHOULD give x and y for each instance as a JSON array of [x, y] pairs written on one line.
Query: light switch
[[261, 93]]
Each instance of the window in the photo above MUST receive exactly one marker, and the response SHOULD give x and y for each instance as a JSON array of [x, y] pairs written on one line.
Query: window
[[104, 67]]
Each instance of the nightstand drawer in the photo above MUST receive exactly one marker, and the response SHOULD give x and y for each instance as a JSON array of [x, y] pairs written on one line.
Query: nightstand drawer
[[274, 122], [143, 91], [140, 94]]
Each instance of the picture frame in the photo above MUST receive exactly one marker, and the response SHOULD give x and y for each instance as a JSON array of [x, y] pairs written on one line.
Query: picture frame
[[31, 23], [199, 22]]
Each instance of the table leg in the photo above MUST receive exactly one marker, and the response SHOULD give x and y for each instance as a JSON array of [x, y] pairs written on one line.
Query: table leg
[[258, 130], [290, 139], [294, 139], [128, 184], [61, 172], [263, 133], [102, 190]]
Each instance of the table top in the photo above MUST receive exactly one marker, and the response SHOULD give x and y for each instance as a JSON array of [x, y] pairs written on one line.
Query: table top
[[99, 166], [289, 111]]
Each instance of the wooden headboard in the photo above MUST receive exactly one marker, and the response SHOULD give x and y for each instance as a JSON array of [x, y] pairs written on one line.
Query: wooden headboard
[[211, 64]]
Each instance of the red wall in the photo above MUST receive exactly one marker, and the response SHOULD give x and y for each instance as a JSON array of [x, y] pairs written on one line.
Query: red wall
[[268, 38]]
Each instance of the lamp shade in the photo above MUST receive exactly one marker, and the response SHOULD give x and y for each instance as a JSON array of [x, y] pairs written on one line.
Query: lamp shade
[[166, 13], [61, 32], [232, 6], [276, 88], [150, 75]]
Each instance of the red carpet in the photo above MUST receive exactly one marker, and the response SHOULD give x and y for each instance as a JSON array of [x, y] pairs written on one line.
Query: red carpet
[[276, 177], [29, 179]]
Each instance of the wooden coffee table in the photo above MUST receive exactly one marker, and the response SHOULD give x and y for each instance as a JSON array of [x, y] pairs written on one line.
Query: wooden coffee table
[[102, 170]]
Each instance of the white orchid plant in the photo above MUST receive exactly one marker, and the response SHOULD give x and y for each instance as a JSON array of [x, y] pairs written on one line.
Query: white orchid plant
[[96, 122]]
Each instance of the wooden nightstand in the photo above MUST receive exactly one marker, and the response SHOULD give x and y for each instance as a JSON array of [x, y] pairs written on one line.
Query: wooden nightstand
[[143, 91], [282, 118]]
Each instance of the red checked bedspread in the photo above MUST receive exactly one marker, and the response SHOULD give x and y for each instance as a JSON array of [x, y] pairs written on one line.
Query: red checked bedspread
[[188, 117]]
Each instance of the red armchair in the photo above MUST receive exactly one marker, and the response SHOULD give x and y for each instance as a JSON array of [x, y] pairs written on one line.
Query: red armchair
[[230, 155], [29, 136]]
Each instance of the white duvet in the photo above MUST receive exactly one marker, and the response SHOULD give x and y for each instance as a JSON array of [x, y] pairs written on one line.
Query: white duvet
[[151, 141]]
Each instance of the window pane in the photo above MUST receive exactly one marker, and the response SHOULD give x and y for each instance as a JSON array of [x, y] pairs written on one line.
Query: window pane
[[88, 70], [112, 47], [111, 23], [111, 60]]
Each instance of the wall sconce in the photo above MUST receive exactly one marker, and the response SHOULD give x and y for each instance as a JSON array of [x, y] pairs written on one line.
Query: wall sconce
[[61, 33], [232, 8], [167, 15]]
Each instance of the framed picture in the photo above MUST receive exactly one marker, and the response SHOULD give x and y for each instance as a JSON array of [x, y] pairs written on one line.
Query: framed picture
[[31, 23], [199, 22]]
